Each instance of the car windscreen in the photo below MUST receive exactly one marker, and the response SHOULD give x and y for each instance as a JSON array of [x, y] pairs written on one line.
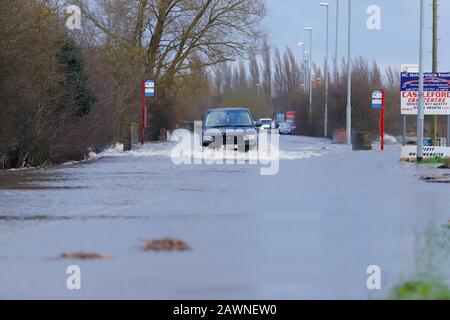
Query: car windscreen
[[285, 125], [266, 121], [228, 118]]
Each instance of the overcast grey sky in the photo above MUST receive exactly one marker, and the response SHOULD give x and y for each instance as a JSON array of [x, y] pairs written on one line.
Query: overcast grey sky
[[397, 42]]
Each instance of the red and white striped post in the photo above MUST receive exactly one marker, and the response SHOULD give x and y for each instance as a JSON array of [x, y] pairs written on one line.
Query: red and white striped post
[[378, 102], [143, 114], [382, 121]]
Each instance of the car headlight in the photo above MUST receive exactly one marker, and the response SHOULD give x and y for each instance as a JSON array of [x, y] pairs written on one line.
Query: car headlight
[[250, 137], [208, 138]]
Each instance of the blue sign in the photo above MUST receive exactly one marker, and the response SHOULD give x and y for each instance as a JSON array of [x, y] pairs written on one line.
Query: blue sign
[[433, 81], [149, 88], [377, 99]]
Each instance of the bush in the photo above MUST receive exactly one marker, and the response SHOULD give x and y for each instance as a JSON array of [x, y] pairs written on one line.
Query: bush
[[48, 111]]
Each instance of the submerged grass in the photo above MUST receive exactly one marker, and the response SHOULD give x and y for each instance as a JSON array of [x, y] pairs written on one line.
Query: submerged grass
[[446, 164], [435, 160], [421, 290], [445, 161]]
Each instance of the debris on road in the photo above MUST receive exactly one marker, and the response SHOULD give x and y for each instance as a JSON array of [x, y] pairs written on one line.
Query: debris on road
[[437, 179], [446, 164], [166, 244], [84, 256], [362, 141]]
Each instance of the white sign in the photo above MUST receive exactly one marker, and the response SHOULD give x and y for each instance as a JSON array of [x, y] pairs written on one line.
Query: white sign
[[149, 88], [377, 95], [410, 68], [377, 99], [409, 153]]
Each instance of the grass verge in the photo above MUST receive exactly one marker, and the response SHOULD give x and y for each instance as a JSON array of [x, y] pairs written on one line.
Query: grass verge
[[421, 290], [435, 160], [430, 279]]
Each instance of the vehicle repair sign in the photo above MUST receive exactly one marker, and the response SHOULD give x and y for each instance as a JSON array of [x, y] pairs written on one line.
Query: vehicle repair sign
[[436, 91]]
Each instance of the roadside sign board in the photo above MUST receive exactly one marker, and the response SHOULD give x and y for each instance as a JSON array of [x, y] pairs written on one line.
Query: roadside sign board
[[149, 88], [377, 99], [409, 68], [409, 153], [436, 90], [378, 103]]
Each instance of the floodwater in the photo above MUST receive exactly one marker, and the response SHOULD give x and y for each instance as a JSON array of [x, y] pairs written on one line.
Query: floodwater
[[309, 231]]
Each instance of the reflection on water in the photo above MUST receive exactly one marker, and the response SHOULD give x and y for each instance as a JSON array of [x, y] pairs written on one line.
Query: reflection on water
[[31, 218], [32, 179]]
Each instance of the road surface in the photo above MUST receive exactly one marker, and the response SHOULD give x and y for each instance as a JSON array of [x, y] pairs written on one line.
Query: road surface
[[309, 231]]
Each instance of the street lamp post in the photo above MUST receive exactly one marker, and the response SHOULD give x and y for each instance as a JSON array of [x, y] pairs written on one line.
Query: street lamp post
[[349, 75], [309, 29], [336, 44], [420, 113], [325, 118], [435, 63]]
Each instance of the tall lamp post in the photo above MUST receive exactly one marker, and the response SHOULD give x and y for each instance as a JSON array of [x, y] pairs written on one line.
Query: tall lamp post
[[420, 113], [325, 118], [309, 29], [349, 75], [336, 43], [302, 62], [435, 63]]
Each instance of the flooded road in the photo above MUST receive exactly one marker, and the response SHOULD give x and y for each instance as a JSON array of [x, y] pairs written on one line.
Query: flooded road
[[310, 231]]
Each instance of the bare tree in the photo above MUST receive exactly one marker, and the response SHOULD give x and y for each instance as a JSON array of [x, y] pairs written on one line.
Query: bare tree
[[218, 80], [267, 68], [279, 75], [227, 72], [242, 74], [254, 70], [165, 35], [375, 75], [292, 72], [392, 78]]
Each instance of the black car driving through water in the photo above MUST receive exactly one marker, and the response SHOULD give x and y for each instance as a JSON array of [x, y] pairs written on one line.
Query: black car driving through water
[[232, 128]]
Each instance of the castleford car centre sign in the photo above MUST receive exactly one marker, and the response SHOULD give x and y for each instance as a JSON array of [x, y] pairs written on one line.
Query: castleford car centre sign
[[437, 93]]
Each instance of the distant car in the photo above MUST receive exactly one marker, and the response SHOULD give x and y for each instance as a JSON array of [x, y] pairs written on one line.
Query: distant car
[[266, 124], [232, 128], [286, 128]]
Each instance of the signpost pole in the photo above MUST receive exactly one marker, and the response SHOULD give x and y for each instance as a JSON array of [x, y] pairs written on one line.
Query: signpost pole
[[382, 124], [404, 130], [435, 65], [448, 132], [420, 113], [325, 120], [378, 103], [143, 113], [349, 77]]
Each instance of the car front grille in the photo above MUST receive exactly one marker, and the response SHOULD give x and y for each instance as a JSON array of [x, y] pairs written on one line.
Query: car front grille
[[230, 139]]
